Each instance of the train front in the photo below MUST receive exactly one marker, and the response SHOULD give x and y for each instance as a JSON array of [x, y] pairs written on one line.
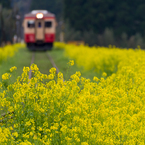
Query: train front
[[39, 30]]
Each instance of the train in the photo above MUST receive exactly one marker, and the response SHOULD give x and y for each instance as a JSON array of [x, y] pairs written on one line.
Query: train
[[39, 30]]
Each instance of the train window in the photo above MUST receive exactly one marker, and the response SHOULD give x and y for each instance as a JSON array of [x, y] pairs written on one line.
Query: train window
[[39, 24], [31, 24], [48, 24]]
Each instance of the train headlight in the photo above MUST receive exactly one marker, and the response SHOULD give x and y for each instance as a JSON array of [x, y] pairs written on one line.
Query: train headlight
[[39, 16]]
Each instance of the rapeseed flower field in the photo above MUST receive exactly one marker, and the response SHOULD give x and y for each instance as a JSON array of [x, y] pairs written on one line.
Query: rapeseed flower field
[[106, 111], [101, 59], [9, 51]]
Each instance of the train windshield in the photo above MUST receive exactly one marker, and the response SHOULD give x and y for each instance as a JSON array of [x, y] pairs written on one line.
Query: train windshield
[[48, 24], [31, 24], [39, 24]]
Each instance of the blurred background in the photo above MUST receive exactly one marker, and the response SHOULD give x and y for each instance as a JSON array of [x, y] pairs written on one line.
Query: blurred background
[[96, 22]]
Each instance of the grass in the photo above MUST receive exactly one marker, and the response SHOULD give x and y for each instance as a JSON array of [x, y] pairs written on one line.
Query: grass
[[61, 61], [23, 58], [42, 62]]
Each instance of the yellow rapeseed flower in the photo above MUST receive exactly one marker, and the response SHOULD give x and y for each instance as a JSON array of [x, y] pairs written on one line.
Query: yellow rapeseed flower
[[71, 62], [15, 134], [104, 74], [13, 68], [52, 70], [6, 76], [95, 79]]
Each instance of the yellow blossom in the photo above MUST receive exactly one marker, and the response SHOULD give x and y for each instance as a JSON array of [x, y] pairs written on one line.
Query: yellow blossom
[[6, 76], [71, 62], [13, 68]]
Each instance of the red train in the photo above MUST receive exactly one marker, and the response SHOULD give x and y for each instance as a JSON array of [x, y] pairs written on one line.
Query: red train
[[39, 29]]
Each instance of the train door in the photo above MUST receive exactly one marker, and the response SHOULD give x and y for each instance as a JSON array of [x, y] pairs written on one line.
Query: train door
[[39, 27]]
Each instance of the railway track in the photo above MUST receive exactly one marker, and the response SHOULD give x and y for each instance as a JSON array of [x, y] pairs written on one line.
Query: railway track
[[49, 59], [30, 75]]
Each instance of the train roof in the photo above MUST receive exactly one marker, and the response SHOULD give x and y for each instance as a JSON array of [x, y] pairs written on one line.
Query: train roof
[[33, 13]]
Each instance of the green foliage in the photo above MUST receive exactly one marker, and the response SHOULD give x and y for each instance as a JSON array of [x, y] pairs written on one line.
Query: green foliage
[[5, 3], [8, 25], [121, 16], [70, 34], [105, 39], [7, 21]]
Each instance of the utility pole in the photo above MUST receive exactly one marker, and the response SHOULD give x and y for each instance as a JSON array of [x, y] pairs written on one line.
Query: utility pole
[[18, 28], [61, 31]]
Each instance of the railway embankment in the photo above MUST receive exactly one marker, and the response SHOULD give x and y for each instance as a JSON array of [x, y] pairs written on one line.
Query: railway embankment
[[78, 111], [22, 57]]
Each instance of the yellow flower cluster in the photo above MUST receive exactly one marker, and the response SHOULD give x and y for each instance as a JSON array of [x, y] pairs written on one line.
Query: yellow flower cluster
[[104, 59], [6, 76], [109, 110], [13, 68], [59, 45], [9, 51], [71, 62]]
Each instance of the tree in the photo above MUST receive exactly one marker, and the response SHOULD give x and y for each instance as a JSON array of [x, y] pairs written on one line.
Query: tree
[[97, 15], [7, 22], [6, 3]]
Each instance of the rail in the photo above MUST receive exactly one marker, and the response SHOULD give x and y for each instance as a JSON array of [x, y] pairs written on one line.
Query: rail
[[32, 61], [4, 115]]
